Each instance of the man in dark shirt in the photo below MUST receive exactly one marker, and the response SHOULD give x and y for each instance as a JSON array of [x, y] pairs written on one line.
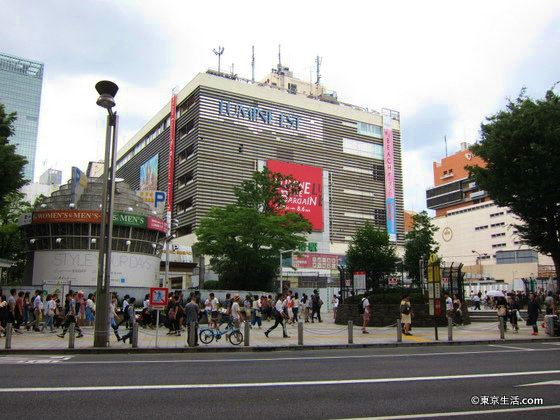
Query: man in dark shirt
[[192, 310]]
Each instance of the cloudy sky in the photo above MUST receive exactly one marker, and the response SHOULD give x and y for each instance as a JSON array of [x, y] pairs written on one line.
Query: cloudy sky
[[444, 65]]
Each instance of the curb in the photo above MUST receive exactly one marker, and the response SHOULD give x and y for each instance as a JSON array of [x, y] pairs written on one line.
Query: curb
[[232, 349]]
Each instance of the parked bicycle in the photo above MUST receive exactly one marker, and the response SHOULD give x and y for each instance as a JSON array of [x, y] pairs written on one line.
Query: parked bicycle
[[207, 335]]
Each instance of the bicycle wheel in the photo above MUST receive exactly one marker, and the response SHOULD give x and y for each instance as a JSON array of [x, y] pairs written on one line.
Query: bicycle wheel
[[206, 336], [235, 338]]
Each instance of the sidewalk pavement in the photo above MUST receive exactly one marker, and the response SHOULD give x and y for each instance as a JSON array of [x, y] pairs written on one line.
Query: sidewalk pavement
[[325, 334]]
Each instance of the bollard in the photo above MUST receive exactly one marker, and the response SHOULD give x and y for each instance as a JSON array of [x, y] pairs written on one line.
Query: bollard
[[72, 335], [192, 334], [300, 333], [247, 338], [549, 320], [350, 332], [9, 331], [399, 331], [135, 335], [449, 329], [501, 327]]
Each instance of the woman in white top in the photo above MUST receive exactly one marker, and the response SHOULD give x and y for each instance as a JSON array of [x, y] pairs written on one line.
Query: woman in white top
[[48, 313], [90, 317], [334, 305], [295, 309]]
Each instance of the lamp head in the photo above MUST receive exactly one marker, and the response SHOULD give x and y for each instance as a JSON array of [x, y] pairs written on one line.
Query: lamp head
[[107, 91]]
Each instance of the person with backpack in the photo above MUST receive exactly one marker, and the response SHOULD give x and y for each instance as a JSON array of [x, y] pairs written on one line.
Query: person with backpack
[[406, 314], [365, 310], [131, 320]]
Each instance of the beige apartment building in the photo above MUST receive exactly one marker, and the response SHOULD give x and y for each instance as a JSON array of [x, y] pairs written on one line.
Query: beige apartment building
[[476, 232]]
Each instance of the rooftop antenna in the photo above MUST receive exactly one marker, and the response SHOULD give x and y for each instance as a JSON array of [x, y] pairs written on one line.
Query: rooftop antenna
[[279, 59], [253, 65], [445, 139], [318, 61], [231, 69], [219, 53]]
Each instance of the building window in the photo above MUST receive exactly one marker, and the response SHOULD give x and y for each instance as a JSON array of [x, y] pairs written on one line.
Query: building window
[[185, 154], [378, 173], [292, 88], [481, 227], [361, 148], [497, 214], [498, 245], [185, 179], [184, 205], [497, 235], [497, 224], [370, 130]]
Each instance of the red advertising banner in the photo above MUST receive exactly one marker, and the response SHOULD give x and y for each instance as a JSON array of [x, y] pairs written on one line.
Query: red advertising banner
[[67, 216], [157, 224], [321, 261], [309, 203]]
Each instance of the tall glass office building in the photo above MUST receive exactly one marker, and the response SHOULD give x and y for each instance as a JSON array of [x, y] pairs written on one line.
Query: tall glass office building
[[21, 82]]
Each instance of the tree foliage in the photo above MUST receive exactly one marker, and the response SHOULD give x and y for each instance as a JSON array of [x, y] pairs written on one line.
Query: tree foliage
[[244, 239], [372, 252], [11, 238], [11, 164], [420, 243], [521, 148]]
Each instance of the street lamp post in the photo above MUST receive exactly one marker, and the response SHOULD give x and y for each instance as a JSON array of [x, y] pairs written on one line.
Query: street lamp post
[[107, 91]]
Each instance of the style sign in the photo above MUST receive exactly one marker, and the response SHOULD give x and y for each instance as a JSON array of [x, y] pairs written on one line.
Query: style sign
[[159, 297], [309, 202]]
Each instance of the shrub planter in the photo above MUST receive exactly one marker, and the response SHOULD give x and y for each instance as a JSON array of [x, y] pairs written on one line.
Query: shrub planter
[[383, 315]]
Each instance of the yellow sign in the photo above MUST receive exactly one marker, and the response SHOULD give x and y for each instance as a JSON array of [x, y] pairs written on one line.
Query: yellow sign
[[430, 274], [437, 274], [433, 258]]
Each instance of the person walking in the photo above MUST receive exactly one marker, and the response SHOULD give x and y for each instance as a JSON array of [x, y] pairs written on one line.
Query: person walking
[[279, 316], [124, 319], [90, 312], [71, 316], [113, 317], [305, 303], [257, 313], [457, 311], [37, 309], [513, 309], [501, 305], [476, 300], [236, 312], [365, 311], [4, 315], [533, 311], [316, 304], [191, 315], [131, 320], [406, 314], [295, 308], [49, 312]]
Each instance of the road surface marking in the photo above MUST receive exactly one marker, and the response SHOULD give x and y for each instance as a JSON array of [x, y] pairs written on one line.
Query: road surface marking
[[277, 384], [416, 338], [511, 347], [298, 359], [542, 383], [15, 360], [458, 413]]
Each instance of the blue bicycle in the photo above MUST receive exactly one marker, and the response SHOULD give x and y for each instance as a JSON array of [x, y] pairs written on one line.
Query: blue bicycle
[[207, 335]]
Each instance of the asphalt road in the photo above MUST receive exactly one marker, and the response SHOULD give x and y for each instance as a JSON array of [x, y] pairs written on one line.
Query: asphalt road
[[325, 384]]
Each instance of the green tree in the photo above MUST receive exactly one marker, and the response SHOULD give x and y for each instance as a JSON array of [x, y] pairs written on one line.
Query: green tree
[[11, 164], [244, 239], [372, 252], [420, 243], [521, 148], [11, 238]]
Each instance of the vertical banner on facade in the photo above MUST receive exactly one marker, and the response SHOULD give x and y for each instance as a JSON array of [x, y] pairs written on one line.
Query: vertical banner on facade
[[170, 175], [389, 158]]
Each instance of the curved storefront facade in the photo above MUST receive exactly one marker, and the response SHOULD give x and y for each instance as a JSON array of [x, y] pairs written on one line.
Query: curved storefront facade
[[62, 239]]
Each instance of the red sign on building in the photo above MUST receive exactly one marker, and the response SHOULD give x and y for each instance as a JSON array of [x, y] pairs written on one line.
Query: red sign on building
[[309, 203]]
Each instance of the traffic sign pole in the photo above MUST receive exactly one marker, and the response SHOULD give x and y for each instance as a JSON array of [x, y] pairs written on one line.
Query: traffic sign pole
[[157, 326]]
